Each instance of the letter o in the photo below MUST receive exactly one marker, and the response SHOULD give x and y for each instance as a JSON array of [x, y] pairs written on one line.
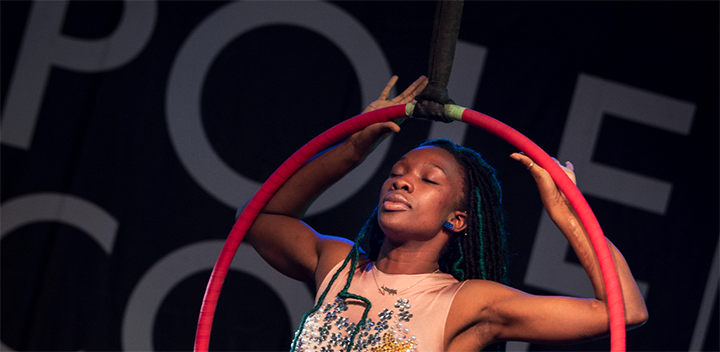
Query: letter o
[[195, 57]]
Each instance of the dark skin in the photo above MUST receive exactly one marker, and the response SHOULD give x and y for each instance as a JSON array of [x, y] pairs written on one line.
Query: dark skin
[[423, 190]]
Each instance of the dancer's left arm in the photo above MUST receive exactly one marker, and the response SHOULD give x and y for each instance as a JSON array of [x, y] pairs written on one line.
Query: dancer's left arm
[[563, 319], [566, 219]]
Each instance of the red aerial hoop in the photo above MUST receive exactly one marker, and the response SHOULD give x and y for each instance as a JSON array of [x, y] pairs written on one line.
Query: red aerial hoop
[[357, 123]]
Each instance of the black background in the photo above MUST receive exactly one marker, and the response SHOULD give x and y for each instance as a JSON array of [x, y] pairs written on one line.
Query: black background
[[103, 137]]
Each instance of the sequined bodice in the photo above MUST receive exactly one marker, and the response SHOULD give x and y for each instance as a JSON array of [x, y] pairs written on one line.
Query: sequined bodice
[[411, 320]]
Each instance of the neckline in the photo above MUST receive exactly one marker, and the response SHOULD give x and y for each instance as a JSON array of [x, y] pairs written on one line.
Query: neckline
[[375, 268]]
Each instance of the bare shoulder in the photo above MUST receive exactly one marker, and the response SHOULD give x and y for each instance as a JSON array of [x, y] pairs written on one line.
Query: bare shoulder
[[482, 298], [331, 250], [470, 324], [477, 295], [333, 246]]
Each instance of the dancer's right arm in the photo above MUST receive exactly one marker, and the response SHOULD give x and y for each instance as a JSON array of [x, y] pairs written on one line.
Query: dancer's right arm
[[287, 243], [282, 239]]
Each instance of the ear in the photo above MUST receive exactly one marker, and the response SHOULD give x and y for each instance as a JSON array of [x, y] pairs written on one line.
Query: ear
[[459, 221]]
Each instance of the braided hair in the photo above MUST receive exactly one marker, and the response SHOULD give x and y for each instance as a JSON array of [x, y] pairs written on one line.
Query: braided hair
[[479, 253]]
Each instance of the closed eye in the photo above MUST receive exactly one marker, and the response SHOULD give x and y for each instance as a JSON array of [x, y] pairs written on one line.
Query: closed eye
[[430, 181]]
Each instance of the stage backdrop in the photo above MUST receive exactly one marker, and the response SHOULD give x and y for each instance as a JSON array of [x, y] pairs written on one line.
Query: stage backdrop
[[131, 131]]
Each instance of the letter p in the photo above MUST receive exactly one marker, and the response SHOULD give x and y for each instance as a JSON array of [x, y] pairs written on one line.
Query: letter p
[[45, 46]]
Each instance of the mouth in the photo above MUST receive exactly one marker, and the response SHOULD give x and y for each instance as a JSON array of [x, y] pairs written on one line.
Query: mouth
[[395, 202]]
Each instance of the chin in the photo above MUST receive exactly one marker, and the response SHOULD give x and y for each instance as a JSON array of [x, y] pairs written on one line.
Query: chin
[[391, 230], [399, 233]]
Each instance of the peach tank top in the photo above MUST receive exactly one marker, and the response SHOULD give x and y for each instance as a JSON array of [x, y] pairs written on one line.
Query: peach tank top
[[413, 319]]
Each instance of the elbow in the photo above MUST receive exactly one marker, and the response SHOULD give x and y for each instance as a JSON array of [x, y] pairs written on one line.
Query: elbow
[[636, 317]]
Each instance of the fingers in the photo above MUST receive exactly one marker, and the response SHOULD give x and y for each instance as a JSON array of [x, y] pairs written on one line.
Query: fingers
[[408, 95], [538, 171], [391, 126], [535, 170], [417, 86], [382, 128], [386, 92], [420, 87], [368, 138], [569, 166], [524, 159], [570, 171]]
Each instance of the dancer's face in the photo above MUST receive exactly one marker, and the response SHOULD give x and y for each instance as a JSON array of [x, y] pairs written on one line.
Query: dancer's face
[[424, 189]]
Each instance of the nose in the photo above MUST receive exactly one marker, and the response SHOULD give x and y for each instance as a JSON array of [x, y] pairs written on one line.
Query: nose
[[402, 183]]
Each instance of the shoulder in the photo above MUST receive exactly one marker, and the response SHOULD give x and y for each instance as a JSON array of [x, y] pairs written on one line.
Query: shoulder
[[479, 294], [478, 301], [472, 320], [331, 250], [485, 295], [332, 243]]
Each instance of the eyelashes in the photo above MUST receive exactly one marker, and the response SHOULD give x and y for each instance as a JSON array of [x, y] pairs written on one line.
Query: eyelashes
[[424, 179]]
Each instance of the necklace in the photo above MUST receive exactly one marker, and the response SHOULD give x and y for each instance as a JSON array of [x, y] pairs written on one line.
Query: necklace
[[392, 291]]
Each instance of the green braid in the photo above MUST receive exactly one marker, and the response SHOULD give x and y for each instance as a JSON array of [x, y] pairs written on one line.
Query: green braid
[[344, 294], [318, 304], [478, 199], [457, 271]]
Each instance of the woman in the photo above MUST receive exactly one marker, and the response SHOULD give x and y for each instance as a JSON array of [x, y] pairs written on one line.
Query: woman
[[433, 278]]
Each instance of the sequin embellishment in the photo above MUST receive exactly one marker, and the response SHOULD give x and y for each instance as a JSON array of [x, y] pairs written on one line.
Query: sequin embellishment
[[327, 330], [391, 345]]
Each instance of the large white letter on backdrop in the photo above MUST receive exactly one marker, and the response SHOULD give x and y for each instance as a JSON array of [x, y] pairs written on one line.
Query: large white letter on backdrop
[[207, 41], [65, 209], [594, 97], [44, 46]]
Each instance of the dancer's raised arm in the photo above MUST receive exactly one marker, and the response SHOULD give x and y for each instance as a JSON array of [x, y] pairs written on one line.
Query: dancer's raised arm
[[564, 216], [278, 234], [552, 319], [500, 313]]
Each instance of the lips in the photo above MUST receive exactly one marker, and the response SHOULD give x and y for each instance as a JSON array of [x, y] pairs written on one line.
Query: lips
[[395, 202]]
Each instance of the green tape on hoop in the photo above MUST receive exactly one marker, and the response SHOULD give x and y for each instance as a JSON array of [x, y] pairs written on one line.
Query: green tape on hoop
[[409, 109], [454, 112]]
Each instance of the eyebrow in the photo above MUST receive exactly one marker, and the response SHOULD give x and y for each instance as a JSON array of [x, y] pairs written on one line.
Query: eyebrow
[[437, 166], [404, 157]]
